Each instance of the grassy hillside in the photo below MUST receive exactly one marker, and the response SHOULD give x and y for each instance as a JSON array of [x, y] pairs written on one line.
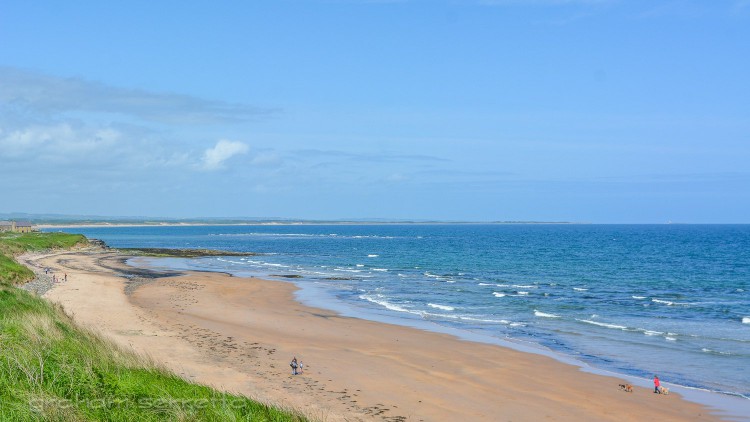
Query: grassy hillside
[[11, 272], [53, 370], [11, 244]]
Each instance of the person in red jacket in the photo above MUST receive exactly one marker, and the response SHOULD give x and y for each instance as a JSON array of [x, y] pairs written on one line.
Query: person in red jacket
[[657, 385]]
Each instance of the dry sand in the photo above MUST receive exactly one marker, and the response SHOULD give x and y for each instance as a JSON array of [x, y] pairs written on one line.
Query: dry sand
[[239, 335]]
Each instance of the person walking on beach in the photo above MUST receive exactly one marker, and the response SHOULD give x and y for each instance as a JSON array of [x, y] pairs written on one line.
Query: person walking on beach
[[66, 277], [294, 365], [657, 385]]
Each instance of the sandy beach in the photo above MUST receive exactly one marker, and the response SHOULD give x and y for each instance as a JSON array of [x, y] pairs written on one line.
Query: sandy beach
[[239, 335]]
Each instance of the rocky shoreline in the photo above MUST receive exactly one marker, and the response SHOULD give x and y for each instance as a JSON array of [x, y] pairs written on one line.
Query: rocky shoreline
[[40, 285], [181, 253]]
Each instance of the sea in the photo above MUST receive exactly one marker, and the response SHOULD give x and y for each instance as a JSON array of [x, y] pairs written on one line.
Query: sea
[[636, 300]]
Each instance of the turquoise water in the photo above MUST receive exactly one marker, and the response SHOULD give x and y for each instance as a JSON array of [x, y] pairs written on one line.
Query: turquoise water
[[672, 300]]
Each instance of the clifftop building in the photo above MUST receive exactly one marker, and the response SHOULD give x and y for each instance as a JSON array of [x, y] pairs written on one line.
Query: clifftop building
[[16, 226]]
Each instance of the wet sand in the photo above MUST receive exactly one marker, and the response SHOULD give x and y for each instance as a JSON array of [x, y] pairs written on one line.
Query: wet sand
[[239, 335]]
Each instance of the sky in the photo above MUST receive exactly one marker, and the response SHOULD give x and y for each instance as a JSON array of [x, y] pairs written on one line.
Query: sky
[[601, 111]]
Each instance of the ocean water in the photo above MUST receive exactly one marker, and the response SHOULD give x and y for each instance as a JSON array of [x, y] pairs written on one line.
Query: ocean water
[[672, 300]]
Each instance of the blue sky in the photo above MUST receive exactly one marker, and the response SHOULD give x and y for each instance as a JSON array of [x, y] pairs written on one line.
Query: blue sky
[[549, 110]]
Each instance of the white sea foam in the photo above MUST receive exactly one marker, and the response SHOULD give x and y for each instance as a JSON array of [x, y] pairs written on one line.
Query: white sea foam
[[380, 269], [523, 293], [360, 265], [579, 289], [604, 324], [670, 339], [524, 286], [746, 320], [715, 351], [652, 333], [347, 270], [517, 324], [666, 302], [372, 255], [428, 315], [638, 297], [424, 314], [378, 299], [485, 284], [497, 294], [491, 321], [545, 315], [443, 307]]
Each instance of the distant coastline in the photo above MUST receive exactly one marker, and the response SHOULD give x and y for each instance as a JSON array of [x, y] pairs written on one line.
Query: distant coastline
[[85, 224], [71, 220]]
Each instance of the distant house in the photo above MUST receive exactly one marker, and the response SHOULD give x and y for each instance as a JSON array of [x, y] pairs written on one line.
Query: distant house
[[16, 226], [23, 227]]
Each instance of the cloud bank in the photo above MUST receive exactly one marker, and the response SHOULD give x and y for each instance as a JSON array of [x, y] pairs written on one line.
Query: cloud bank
[[49, 121], [51, 94]]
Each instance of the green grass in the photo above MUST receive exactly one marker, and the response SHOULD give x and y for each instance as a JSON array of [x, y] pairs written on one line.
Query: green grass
[[11, 272], [53, 370], [12, 244]]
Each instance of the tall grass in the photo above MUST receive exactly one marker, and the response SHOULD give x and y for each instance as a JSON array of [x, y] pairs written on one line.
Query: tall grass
[[11, 272]]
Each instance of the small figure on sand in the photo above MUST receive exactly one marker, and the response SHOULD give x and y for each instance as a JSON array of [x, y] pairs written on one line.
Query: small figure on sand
[[294, 365], [301, 367], [657, 385], [66, 277]]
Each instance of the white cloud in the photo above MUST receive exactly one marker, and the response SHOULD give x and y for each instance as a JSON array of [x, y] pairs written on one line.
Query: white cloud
[[214, 158], [62, 139], [45, 94]]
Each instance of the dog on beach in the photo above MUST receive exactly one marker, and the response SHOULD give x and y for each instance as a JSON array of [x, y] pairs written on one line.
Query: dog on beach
[[664, 390], [628, 388]]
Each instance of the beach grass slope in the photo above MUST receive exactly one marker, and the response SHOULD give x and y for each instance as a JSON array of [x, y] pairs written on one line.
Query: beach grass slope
[[53, 369], [12, 244]]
